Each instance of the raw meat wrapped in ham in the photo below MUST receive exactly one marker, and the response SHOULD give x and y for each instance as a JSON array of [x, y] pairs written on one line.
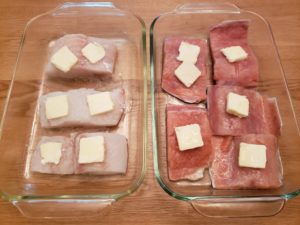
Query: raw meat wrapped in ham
[[83, 68], [241, 73], [79, 115], [187, 164], [171, 84], [263, 115], [226, 173]]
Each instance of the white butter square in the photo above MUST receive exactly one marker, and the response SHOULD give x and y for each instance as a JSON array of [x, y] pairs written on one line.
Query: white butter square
[[91, 149], [64, 59], [237, 105], [100, 103], [188, 52], [189, 137], [51, 152], [57, 106], [187, 73], [252, 155], [93, 52], [234, 53]]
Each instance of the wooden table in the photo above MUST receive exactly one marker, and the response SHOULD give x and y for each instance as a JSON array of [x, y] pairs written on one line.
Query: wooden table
[[150, 204]]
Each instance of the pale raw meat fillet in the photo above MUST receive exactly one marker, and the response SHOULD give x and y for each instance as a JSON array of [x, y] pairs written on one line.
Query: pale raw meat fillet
[[187, 164], [79, 114], [263, 115], [227, 174], [171, 84], [242, 73], [66, 163], [83, 68], [115, 159]]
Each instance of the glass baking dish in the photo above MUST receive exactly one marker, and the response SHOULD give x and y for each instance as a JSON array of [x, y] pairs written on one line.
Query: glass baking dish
[[195, 20], [41, 195]]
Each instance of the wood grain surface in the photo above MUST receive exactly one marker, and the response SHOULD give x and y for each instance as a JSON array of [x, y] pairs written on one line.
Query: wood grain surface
[[150, 204]]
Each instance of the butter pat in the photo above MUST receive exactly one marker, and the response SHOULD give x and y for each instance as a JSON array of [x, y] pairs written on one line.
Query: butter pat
[[51, 152], [100, 103], [93, 52], [234, 53], [64, 59], [57, 106], [237, 105], [252, 155], [188, 52], [189, 137], [91, 149], [187, 73]]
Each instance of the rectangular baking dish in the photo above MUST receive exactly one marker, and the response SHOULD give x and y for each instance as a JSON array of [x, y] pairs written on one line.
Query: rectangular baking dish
[[195, 20], [75, 195]]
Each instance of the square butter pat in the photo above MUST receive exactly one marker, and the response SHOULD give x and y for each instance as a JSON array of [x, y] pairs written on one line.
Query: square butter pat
[[252, 155], [188, 52], [189, 137], [234, 53], [64, 59], [237, 105], [93, 52], [51, 152], [91, 149], [57, 106], [187, 73], [100, 103]]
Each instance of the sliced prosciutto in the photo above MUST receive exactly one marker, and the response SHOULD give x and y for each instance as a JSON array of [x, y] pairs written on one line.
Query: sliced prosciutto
[[66, 163], [241, 73], [188, 164], [227, 174], [83, 68], [263, 115], [171, 84]]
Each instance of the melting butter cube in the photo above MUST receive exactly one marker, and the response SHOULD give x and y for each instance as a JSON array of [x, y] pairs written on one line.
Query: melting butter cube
[[189, 137], [51, 152], [64, 59], [57, 106], [237, 105], [188, 52], [93, 52], [234, 53], [100, 103], [91, 149], [252, 155], [187, 73]]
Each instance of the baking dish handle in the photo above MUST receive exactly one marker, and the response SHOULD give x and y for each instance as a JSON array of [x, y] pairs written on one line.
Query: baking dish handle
[[65, 208], [239, 207], [205, 7]]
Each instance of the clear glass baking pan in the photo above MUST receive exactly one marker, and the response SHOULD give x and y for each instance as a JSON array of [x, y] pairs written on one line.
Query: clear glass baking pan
[[41, 195], [195, 20]]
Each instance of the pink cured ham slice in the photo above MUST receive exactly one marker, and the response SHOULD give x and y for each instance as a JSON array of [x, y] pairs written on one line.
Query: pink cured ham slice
[[83, 68], [187, 164], [171, 84], [226, 173], [242, 73], [79, 115], [66, 163], [115, 159], [263, 115]]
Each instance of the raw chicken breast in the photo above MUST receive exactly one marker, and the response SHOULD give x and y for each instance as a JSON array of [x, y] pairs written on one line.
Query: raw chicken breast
[[263, 115], [83, 68], [171, 84], [188, 164], [79, 115], [227, 174], [115, 159], [66, 163], [241, 73]]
